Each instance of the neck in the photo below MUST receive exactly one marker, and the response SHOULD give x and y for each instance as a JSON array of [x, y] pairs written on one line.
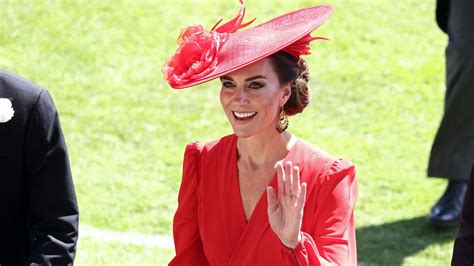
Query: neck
[[259, 150]]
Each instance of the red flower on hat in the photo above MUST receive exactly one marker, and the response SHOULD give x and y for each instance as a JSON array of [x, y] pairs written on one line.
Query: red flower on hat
[[196, 55]]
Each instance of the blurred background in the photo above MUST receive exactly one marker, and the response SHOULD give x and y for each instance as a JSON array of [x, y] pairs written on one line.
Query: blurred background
[[378, 92]]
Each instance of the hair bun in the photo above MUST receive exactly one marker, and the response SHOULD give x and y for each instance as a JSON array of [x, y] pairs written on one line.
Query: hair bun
[[293, 70], [303, 70], [300, 91]]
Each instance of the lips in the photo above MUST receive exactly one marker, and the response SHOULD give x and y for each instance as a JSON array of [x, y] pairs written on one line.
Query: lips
[[243, 115]]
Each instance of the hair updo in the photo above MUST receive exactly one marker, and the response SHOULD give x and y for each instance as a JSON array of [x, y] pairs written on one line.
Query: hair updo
[[294, 70]]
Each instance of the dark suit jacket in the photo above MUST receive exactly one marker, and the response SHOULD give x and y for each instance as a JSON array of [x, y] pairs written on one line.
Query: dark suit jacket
[[38, 207], [442, 14], [463, 253]]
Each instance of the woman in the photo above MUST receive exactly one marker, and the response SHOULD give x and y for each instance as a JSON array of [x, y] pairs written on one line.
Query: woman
[[233, 208]]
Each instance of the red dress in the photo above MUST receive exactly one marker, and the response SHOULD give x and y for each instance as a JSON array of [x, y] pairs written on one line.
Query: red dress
[[210, 227]]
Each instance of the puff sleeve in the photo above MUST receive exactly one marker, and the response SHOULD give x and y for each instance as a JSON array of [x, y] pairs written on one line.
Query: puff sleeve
[[328, 231], [188, 244]]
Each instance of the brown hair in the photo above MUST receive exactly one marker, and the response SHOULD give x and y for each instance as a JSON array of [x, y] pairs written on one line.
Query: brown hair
[[291, 69]]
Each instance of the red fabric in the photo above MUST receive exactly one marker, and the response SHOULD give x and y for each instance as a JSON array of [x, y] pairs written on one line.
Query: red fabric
[[210, 226], [301, 46], [224, 49]]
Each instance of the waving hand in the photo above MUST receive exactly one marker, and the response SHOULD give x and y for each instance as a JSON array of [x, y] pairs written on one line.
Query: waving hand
[[285, 213]]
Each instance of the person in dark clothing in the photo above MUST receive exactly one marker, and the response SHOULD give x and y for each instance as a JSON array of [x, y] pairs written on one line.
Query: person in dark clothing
[[38, 208], [463, 253], [452, 152]]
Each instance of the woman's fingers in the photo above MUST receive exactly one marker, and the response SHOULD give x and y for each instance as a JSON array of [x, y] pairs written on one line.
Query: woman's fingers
[[285, 210], [295, 188], [302, 198], [288, 178], [281, 179]]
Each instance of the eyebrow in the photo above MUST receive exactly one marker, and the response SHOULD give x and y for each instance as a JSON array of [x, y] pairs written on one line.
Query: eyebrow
[[247, 79]]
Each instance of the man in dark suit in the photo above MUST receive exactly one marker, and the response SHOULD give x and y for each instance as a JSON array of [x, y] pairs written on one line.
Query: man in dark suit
[[463, 253], [38, 207], [452, 152]]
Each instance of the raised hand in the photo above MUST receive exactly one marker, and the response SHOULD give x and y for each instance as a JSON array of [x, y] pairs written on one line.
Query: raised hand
[[285, 213]]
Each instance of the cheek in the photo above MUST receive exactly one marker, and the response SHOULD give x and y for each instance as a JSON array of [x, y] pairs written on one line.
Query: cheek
[[271, 100], [273, 109], [269, 107], [223, 98]]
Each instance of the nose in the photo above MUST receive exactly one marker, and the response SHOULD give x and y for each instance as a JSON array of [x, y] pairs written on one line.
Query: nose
[[241, 96]]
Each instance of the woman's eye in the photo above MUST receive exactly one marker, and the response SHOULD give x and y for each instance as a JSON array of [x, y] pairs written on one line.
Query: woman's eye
[[227, 84], [255, 85]]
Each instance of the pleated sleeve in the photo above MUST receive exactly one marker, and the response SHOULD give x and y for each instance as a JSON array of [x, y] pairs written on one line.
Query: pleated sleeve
[[188, 244]]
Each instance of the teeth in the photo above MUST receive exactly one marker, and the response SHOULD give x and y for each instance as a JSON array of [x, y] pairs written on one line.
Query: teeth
[[244, 115]]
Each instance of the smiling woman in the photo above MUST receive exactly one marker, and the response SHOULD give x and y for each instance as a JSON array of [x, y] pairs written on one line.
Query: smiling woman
[[260, 196], [251, 98], [265, 80]]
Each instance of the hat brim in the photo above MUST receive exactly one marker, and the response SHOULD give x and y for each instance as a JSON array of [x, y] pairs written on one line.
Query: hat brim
[[251, 45]]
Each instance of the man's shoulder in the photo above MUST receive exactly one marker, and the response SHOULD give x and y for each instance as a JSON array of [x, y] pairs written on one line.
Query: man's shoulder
[[26, 98], [16, 87]]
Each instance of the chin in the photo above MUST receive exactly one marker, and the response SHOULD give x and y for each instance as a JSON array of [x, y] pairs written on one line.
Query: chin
[[253, 132], [243, 133]]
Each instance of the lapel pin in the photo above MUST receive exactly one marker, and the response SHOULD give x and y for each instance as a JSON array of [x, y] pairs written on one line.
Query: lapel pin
[[6, 110]]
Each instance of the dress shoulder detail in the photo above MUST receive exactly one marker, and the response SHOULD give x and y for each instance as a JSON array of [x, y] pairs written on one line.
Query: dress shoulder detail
[[328, 165], [341, 165], [199, 147], [193, 151], [194, 147]]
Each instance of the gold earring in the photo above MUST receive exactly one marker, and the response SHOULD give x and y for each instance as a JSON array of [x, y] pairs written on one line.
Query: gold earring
[[282, 121]]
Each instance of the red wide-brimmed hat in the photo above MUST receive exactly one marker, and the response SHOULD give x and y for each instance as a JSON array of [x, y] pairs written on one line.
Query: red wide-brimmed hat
[[205, 55]]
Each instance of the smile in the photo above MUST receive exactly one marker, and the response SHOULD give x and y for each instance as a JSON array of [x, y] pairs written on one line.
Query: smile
[[243, 116]]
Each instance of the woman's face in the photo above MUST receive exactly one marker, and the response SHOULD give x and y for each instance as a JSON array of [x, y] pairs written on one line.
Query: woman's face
[[251, 98]]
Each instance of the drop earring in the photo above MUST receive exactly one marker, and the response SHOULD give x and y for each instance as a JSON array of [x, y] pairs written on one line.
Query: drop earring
[[282, 121]]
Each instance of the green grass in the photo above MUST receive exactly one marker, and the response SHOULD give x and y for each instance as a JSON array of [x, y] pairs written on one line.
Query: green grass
[[378, 95], [93, 252]]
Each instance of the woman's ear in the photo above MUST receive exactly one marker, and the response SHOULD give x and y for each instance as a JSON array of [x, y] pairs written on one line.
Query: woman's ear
[[286, 93]]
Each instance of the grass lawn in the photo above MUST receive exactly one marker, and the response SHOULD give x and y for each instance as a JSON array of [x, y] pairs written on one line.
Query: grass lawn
[[93, 252], [378, 95]]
